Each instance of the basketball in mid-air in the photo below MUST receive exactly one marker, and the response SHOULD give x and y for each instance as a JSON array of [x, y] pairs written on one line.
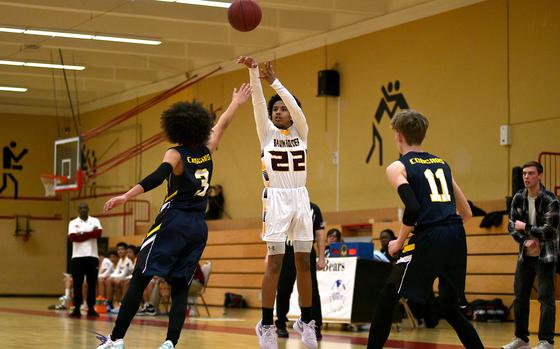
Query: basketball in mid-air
[[244, 15]]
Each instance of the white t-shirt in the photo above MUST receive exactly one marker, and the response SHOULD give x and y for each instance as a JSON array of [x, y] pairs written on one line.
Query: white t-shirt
[[533, 221], [106, 269], [123, 269], [86, 248]]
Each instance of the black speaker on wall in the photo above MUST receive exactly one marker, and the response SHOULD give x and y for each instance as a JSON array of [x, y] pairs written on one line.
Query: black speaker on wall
[[328, 83]]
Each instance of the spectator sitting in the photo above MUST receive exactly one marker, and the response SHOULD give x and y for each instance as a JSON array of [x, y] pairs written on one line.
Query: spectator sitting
[[333, 235], [152, 295], [123, 269], [385, 237], [107, 267], [131, 253]]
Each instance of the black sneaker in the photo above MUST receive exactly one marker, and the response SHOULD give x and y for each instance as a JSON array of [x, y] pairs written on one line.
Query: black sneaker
[[282, 333], [75, 314], [92, 313], [150, 310]]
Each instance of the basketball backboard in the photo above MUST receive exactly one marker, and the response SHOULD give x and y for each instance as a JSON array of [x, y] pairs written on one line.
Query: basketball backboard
[[67, 163]]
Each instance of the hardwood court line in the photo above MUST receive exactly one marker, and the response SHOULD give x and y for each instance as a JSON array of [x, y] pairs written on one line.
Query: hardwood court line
[[235, 330]]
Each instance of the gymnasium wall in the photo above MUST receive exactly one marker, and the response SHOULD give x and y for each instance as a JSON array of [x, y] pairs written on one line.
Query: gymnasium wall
[[454, 67], [34, 266], [469, 70]]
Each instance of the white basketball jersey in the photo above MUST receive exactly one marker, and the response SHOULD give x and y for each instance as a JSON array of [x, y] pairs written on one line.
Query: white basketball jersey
[[284, 159]]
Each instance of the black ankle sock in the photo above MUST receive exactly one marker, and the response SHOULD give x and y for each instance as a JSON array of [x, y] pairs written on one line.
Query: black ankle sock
[[306, 314], [267, 316]]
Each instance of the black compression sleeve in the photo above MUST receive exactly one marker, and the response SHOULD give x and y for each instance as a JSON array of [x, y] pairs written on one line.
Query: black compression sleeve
[[411, 205], [157, 177]]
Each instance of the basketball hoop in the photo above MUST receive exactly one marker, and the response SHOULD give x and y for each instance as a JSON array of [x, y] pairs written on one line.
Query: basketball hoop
[[50, 182]]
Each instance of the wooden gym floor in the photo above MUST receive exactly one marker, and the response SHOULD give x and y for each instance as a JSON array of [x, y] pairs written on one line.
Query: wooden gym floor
[[26, 323]]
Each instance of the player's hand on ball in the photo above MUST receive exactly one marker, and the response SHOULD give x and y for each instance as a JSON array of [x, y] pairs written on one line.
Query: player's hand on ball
[[116, 201], [395, 247], [247, 61], [242, 95], [267, 73]]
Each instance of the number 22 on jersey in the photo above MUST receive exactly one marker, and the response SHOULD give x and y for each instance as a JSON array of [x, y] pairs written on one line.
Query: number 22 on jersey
[[280, 160], [435, 195]]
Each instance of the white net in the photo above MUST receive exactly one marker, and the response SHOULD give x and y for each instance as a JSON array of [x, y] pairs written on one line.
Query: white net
[[49, 183]]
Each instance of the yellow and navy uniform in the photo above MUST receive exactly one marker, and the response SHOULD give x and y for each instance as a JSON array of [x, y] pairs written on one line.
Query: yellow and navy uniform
[[431, 181], [437, 248], [177, 239], [190, 189]]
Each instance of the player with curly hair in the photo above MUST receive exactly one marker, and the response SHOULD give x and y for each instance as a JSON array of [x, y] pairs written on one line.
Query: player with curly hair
[[172, 248]]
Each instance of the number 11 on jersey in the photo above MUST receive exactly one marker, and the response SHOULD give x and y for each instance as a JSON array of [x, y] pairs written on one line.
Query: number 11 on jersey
[[435, 196]]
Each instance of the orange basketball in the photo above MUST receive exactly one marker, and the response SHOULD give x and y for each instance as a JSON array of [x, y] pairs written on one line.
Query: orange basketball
[[244, 15]]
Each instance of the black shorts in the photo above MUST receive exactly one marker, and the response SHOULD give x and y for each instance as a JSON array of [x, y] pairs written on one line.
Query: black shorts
[[437, 252], [174, 245]]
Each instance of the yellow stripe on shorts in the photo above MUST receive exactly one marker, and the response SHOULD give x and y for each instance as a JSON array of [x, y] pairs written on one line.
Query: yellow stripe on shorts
[[153, 230], [408, 248]]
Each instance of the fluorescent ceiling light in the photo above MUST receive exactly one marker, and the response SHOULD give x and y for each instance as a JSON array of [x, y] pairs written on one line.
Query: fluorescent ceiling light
[[43, 65], [201, 3], [13, 89], [85, 36]]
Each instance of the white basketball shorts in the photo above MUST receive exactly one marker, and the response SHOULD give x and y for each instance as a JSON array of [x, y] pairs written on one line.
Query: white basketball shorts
[[286, 215]]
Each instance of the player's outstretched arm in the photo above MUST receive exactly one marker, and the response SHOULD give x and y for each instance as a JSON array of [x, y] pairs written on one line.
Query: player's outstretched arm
[[238, 98], [461, 202], [171, 160], [259, 103], [396, 174], [296, 113]]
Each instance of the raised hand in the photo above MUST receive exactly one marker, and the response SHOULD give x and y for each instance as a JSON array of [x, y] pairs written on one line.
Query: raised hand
[[249, 62], [113, 202], [242, 95], [267, 73]]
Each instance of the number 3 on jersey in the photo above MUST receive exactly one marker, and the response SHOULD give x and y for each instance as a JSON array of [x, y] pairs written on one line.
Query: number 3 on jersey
[[435, 196], [202, 175]]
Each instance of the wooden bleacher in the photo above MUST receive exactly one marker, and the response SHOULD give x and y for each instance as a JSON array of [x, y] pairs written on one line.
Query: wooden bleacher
[[492, 257], [237, 253]]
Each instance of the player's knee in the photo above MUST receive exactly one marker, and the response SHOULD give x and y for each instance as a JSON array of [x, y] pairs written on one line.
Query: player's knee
[[274, 264], [303, 247], [303, 262]]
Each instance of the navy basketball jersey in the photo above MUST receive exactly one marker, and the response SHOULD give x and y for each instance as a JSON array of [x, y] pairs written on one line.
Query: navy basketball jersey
[[431, 180], [190, 190]]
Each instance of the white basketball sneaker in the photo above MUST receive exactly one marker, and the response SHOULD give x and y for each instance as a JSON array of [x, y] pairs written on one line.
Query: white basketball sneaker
[[107, 343], [167, 345], [517, 343], [307, 332], [267, 336], [544, 345]]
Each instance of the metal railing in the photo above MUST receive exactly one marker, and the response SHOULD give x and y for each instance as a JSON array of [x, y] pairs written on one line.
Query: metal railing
[[140, 213], [551, 173]]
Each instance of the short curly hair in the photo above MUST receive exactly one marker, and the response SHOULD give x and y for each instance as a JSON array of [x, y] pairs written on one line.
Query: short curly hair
[[275, 99], [187, 123]]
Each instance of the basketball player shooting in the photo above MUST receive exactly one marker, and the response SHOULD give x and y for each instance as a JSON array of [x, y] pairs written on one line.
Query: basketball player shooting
[[282, 131], [438, 247], [172, 248]]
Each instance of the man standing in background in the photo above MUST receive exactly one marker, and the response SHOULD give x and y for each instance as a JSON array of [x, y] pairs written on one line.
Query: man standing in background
[[533, 223], [83, 232]]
